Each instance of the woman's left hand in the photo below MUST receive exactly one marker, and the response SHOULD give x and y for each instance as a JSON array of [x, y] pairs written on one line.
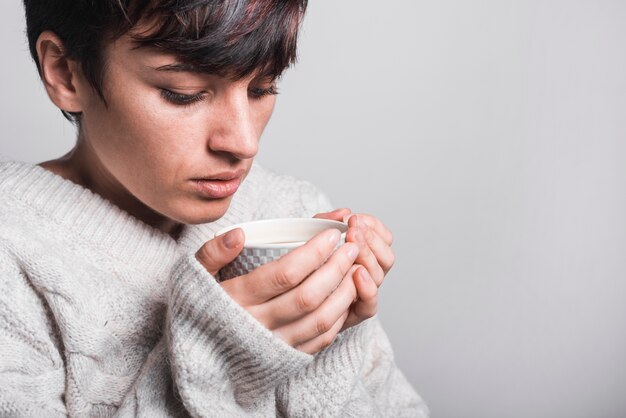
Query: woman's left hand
[[376, 257]]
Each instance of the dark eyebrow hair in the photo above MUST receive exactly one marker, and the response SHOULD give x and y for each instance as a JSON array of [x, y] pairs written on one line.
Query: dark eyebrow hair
[[179, 67]]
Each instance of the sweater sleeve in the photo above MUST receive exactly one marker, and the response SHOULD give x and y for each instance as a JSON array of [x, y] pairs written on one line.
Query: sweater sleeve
[[220, 354]]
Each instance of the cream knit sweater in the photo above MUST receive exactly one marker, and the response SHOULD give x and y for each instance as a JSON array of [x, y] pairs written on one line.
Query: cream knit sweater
[[102, 315]]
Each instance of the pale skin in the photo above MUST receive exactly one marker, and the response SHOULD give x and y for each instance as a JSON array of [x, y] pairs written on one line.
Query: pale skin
[[142, 150]]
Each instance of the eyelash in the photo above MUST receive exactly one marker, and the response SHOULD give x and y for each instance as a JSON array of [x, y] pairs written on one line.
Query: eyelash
[[189, 99], [258, 93], [181, 99]]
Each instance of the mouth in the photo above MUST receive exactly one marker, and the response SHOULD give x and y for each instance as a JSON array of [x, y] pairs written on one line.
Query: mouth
[[220, 185]]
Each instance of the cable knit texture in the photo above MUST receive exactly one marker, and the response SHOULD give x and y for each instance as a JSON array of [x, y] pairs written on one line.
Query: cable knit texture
[[102, 315]]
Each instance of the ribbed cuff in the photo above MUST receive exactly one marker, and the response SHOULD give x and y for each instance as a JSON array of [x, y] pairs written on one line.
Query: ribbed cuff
[[217, 346], [327, 383]]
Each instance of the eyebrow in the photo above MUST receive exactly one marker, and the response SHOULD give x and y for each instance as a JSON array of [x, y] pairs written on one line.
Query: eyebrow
[[179, 68]]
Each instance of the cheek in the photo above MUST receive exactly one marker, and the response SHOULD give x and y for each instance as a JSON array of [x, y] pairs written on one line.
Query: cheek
[[146, 148], [138, 138]]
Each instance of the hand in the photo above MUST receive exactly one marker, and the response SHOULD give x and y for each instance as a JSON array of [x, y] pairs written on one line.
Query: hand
[[376, 257], [304, 297]]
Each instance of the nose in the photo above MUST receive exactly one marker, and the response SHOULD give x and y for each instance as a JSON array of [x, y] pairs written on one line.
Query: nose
[[234, 130]]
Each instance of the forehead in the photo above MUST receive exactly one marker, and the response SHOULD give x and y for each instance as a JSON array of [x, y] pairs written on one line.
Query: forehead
[[125, 47]]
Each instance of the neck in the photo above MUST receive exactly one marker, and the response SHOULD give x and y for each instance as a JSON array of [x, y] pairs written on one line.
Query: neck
[[82, 167]]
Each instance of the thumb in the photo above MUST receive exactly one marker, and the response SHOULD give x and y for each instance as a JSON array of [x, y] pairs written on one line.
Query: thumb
[[221, 250]]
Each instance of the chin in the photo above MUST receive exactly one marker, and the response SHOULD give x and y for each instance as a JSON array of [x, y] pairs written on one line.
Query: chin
[[202, 212]]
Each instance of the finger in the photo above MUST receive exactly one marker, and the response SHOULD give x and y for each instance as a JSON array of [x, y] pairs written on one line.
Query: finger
[[366, 257], [322, 341], [379, 247], [312, 292], [371, 222], [277, 277], [324, 317], [383, 252], [221, 250], [366, 305], [335, 215]]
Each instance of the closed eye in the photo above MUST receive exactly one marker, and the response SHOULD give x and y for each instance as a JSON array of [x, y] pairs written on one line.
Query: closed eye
[[257, 93], [182, 99]]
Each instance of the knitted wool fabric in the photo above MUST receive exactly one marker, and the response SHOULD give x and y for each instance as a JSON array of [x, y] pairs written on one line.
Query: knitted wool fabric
[[103, 315]]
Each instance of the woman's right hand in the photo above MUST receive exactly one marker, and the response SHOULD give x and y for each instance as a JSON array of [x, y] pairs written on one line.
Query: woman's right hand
[[304, 297]]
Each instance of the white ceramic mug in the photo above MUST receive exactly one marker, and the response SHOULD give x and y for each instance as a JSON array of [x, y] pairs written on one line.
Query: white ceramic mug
[[269, 239]]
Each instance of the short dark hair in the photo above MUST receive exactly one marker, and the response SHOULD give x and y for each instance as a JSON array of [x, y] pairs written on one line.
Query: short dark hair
[[233, 38]]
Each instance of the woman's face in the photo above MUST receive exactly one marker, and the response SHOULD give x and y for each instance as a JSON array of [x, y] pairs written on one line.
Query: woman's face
[[165, 128]]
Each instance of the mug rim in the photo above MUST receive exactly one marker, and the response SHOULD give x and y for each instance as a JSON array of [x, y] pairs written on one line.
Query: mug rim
[[341, 226]]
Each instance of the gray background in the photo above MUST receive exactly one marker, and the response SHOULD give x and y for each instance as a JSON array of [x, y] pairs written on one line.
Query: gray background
[[490, 136]]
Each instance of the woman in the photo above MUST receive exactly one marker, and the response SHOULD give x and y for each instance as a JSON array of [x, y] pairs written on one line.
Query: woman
[[109, 303]]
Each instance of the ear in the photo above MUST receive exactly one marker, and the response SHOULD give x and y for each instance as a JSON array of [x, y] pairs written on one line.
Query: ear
[[60, 74]]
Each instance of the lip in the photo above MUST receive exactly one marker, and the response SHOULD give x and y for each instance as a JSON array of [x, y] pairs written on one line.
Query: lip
[[225, 175], [217, 189], [219, 185]]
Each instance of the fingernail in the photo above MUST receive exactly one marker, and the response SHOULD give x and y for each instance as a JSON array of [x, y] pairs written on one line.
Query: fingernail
[[363, 274], [334, 236], [231, 239], [353, 250], [347, 217]]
